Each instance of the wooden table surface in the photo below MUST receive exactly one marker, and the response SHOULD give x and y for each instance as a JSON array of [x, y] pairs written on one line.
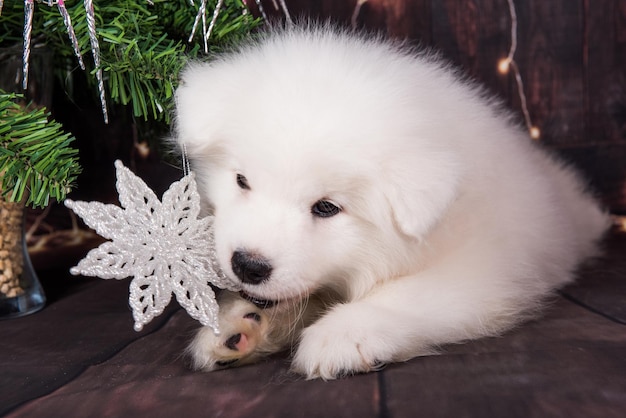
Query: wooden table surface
[[79, 357]]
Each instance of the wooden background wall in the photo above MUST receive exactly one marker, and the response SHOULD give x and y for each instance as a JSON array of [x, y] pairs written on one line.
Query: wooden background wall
[[571, 55]]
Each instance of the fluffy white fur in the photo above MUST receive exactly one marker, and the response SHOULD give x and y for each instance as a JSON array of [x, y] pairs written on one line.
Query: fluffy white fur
[[453, 224]]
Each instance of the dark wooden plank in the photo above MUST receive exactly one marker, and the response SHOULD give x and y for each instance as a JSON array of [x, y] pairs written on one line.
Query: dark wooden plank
[[606, 294], [43, 351], [150, 378], [570, 381], [605, 64], [573, 105], [409, 19], [397, 18], [604, 166], [320, 10], [455, 31], [550, 60], [569, 363], [475, 35], [571, 55]]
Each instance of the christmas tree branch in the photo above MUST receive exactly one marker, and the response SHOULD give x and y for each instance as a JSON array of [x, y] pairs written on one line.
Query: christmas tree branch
[[36, 160], [142, 47]]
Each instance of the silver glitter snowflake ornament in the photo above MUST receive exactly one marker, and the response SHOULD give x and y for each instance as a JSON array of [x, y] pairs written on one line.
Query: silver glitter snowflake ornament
[[161, 244]]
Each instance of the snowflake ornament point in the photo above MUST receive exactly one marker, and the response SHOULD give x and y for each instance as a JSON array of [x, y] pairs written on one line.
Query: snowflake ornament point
[[162, 244]]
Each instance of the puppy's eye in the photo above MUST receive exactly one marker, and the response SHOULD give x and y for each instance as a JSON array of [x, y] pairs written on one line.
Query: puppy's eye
[[325, 209], [242, 182]]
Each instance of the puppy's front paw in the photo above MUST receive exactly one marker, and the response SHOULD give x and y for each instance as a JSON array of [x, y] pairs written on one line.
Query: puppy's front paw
[[337, 345], [242, 339]]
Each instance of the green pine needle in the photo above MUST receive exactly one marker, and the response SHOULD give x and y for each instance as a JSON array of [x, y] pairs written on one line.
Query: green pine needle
[[36, 160], [143, 47]]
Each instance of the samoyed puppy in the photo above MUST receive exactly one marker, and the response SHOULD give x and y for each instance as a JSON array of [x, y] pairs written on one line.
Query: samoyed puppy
[[372, 204]]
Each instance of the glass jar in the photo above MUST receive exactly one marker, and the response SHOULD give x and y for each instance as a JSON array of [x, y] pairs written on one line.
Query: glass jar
[[20, 290]]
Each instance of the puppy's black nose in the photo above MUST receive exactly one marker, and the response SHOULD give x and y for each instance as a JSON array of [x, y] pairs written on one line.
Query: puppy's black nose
[[250, 268]]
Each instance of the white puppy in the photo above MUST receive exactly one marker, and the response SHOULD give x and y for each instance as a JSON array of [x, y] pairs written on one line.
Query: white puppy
[[372, 182]]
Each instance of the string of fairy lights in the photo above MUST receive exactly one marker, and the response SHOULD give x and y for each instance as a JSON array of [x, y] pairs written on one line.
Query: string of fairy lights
[[508, 63], [504, 66]]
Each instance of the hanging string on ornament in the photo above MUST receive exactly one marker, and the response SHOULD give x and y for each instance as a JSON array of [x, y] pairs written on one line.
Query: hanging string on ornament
[[29, 8], [95, 51], [509, 63], [67, 20]]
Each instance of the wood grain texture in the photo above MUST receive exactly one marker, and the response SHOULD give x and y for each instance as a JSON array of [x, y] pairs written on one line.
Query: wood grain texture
[[80, 358], [571, 56], [605, 66], [550, 60], [409, 19], [474, 35]]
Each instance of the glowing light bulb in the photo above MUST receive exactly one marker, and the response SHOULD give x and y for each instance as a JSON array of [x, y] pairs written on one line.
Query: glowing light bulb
[[535, 133], [503, 65]]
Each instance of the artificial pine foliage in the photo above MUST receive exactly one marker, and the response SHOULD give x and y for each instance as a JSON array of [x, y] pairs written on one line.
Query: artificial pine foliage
[[36, 160], [143, 47]]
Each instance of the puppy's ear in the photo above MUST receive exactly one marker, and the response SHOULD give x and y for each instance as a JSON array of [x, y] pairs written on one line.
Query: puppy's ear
[[420, 190]]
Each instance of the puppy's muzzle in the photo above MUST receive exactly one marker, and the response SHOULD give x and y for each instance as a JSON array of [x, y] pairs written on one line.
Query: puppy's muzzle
[[250, 268]]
